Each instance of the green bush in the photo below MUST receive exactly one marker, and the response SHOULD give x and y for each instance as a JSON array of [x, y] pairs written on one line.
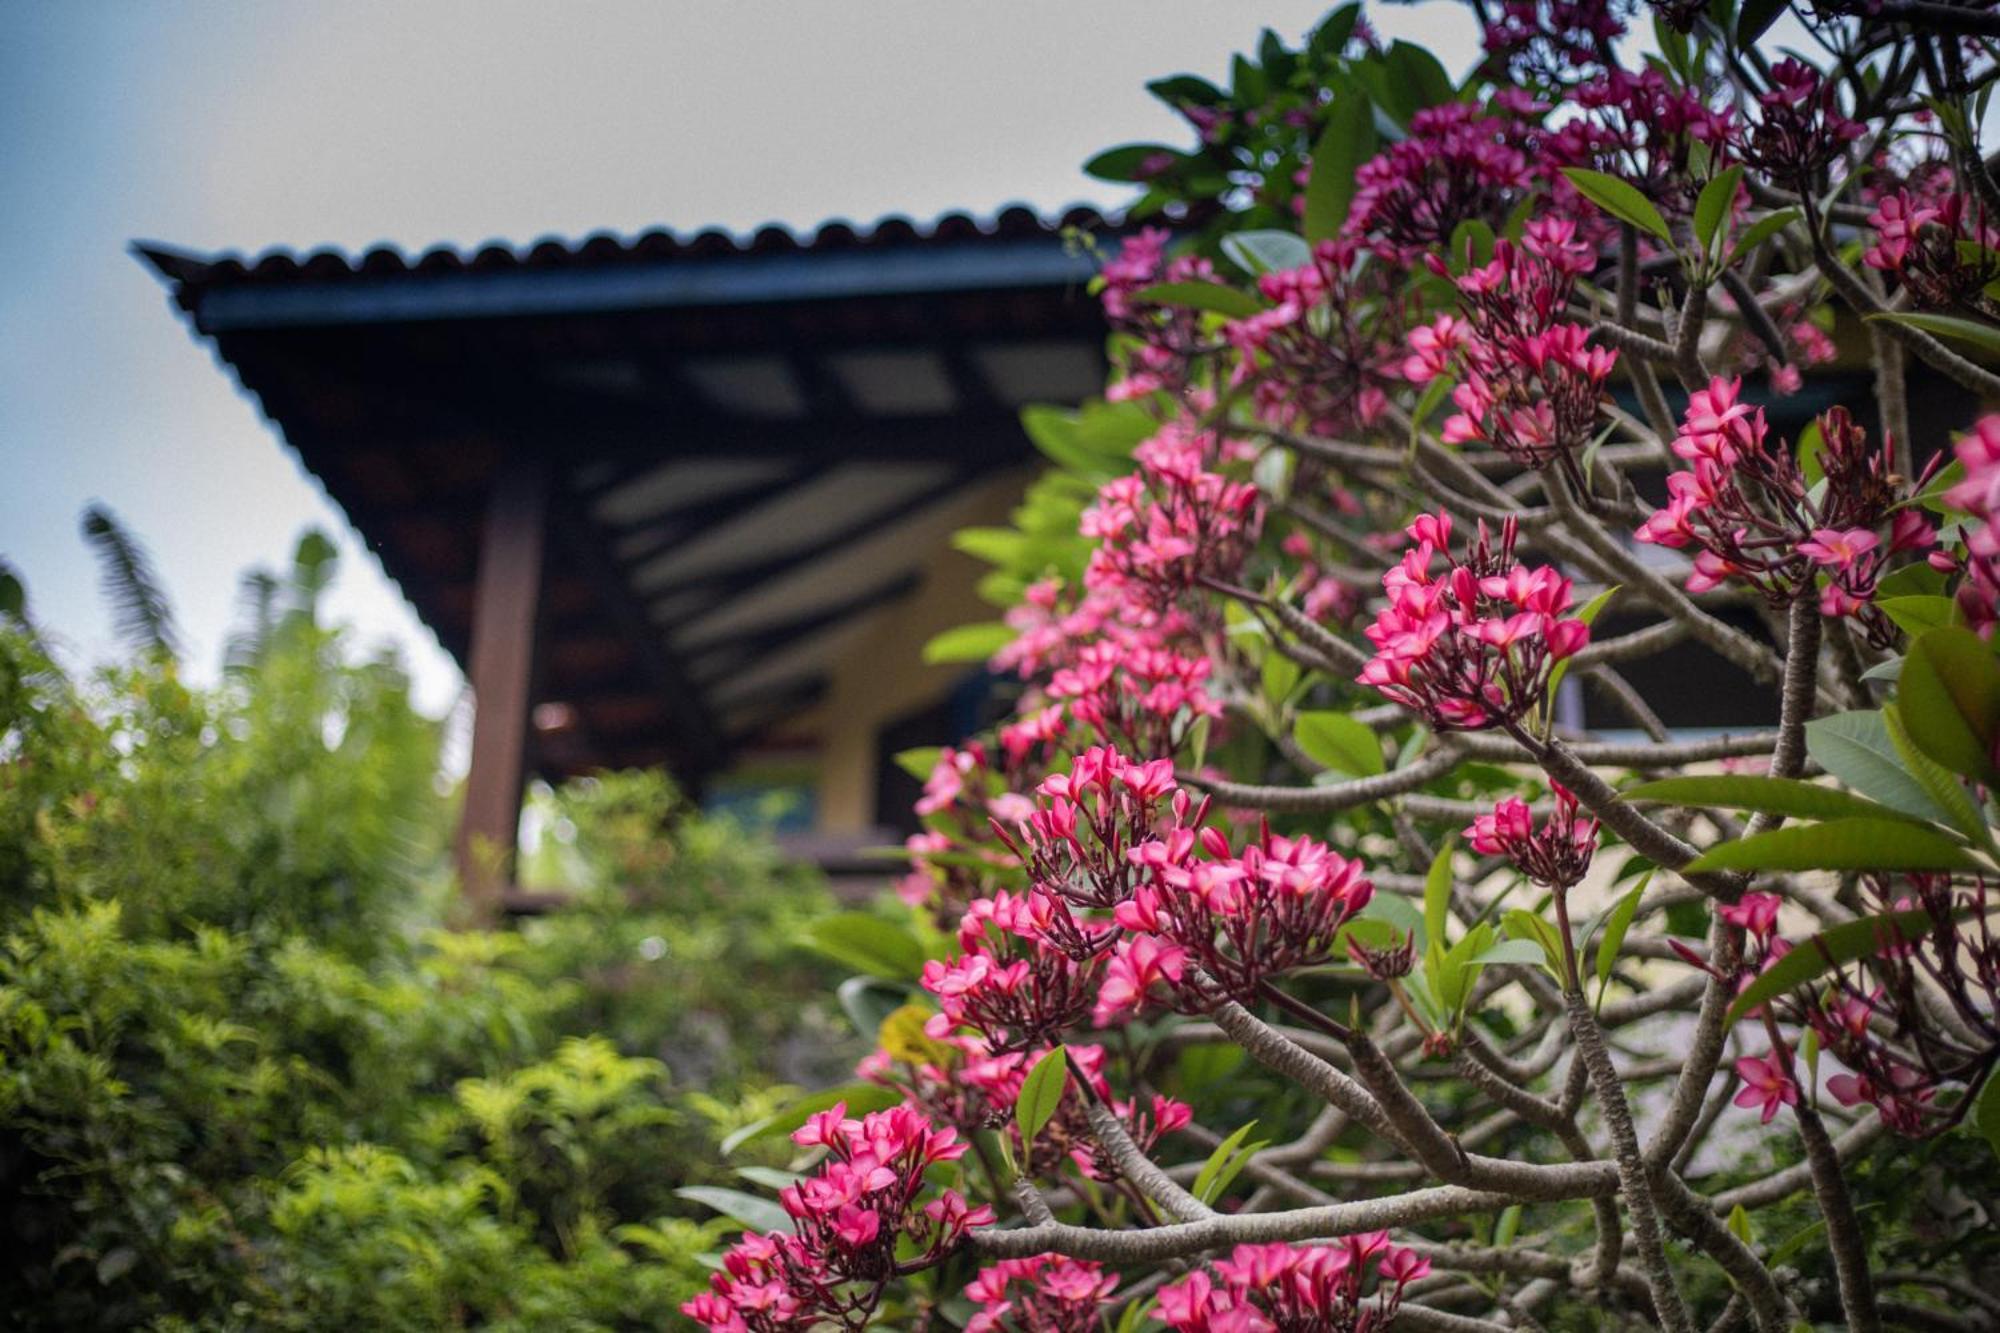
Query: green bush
[[248, 1081]]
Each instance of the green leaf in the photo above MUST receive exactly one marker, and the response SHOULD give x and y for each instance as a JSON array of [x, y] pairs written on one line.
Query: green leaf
[[13, 595], [1620, 200], [1261, 252], [1180, 90], [1347, 141], [1950, 698], [1837, 946], [1986, 1111], [1397, 910], [1918, 615], [1615, 927], [1206, 1187], [1280, 676], [1419, 75], [1855, 747], [1210, 296], [1840, 844], [879, 947], [1937, 781], [860, 1099], [1778, 796], [1338, 742], [769, 1176], [1437, 898], [1525, 925], [1127, 162], [1507, 1227], [1041, 1093], [1712, 209], [754, 1213], [969, 643], [919, 761], [1510, 951], [1983, 336], [1739, 1224], [1757, 16], [1760, 231]]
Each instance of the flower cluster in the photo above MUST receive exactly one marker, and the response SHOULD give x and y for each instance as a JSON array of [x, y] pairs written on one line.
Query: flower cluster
[[849, 1219], [1531, 383], [1942, 249], [1135, 693], [1642, 128], [1978, 494], [1550, 41], [1471, 645], [1744, 505], [1241, 919], [1321, 359], [1018, 980], [1174, 523], [958, 1080], [1168, 336], [1281, 1288], [1556, 855], [1457, 163], [1046, 1293], [1874, 1018], [1077, 842], [1799, 131]]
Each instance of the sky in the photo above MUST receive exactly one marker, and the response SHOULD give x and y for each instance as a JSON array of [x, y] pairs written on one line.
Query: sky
[[223, 126]]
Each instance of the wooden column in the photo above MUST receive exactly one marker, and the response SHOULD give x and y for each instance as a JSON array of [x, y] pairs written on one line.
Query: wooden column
[[505, 601]]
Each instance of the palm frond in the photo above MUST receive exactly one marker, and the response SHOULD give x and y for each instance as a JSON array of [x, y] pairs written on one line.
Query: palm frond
[[257, 600], [139, 608]]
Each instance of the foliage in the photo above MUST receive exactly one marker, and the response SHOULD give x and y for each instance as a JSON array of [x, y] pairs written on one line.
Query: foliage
[[246, 1078], [1293, 891]]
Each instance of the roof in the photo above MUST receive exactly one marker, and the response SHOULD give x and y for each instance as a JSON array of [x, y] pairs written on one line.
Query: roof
[[745, 432]]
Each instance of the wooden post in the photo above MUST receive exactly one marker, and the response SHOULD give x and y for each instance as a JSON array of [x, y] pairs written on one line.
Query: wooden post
[[505, 600]]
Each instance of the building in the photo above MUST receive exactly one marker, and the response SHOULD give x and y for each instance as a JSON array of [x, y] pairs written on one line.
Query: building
[[679, 501]]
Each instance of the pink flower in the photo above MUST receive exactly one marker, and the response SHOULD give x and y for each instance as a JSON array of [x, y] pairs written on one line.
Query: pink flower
[[1766, 1084], [1754, 912], [1838, 550]]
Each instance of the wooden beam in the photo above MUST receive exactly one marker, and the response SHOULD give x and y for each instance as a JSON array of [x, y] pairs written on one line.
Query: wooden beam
[[506, 599]]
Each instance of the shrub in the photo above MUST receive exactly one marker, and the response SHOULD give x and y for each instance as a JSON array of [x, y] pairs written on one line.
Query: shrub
[[246, 1081]]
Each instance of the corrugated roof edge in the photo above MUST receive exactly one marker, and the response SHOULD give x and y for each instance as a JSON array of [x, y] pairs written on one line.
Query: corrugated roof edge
[[187, 268]]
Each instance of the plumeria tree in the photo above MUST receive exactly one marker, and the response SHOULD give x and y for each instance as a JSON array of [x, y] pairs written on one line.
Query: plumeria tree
[[1335, 935]]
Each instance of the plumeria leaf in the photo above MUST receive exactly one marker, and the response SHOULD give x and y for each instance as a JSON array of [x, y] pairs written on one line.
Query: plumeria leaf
[[1208, 1183], [860, 1099], [1837, 946], [1840, 844], [1760, 231], [877, 946], [1712, 209], [1755, 18], [1510, 951], [1941, 783], [1620, 200], [1128, 162], [1950, 700], [1778, 796], [1347, 141], [1739, 1224], [1337, 741], [1986, 337], [1261, 252], [1919, 615], [1211, 296], [1986, 1111], [754, 1213], [1041, 1092], [1855, 747], [1437, 898], [1588, 615], [1525, 925], [1615, 926]]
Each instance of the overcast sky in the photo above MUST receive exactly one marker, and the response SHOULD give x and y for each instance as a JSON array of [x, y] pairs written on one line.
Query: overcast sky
[[220, 126]]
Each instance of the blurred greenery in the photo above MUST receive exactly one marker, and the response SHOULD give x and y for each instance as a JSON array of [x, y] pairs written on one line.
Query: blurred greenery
[[247, 1077]]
